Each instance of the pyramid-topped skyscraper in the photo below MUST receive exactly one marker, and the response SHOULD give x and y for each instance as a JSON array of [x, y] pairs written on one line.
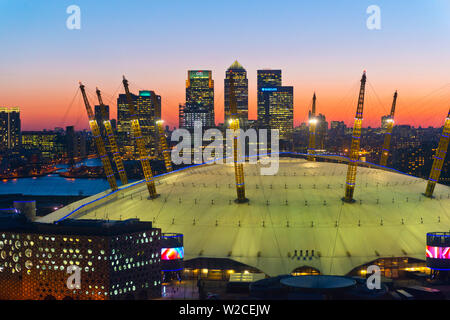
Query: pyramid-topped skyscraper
[[239, 74]]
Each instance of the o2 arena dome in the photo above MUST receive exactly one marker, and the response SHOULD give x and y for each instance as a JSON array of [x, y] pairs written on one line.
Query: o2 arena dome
[[294, 219]]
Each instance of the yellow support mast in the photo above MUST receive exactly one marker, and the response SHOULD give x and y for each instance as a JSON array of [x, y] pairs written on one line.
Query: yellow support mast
[[113, 143], [388, 134], [99, 142], [439, 158], [238, 166], [355, 148], [137, 134], [163, 145], [312, 131]]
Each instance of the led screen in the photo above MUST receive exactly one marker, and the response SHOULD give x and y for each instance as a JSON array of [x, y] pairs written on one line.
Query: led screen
[[438, 252], [172, 253]]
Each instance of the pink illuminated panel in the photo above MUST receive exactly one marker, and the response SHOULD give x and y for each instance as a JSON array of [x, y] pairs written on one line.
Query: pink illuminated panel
[[438, 252], [172, 253]]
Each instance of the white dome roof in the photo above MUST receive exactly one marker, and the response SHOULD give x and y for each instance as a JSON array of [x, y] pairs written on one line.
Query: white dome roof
[[297, 209]]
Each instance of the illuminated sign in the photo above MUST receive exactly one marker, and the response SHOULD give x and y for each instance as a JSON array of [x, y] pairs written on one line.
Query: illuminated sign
[[144, 93], [172, 253], [438, 252], [198, 74], [269, 89]]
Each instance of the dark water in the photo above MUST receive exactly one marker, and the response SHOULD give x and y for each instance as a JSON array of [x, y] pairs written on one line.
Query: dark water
[[53, 184]]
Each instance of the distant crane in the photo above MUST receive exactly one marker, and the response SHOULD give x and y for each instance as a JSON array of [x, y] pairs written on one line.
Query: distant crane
[[99, 142], [312, 131], [388, 134], [355, 148], [238, 166], [439, 158], [112, 142], [137, 133]]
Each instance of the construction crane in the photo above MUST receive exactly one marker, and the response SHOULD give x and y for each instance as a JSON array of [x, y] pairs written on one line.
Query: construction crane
[[388, 134], [439, 158], [99, 142], [354, 151], [112, 142], [142, 150], [163, 145], [238, 166], [312, 131]]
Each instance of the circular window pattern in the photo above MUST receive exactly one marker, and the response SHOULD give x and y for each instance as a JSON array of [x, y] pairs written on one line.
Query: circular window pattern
[[18, 267], [1, 245], [3, 254], [17, 244], [15, 257], [28, 253], [28, 264]]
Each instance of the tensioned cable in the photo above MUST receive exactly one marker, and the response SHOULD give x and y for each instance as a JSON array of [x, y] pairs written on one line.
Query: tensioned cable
[[63, 120]]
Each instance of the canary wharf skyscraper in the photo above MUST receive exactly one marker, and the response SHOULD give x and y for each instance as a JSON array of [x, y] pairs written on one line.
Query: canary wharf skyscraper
[[278, 109], [199, 99], [148, 107], [266, 79], [239, 75]]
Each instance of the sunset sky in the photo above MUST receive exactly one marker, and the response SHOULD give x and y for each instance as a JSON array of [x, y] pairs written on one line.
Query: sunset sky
[[321, 46]]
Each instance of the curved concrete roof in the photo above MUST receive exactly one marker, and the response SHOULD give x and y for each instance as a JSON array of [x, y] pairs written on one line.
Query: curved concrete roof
[[300, 208]]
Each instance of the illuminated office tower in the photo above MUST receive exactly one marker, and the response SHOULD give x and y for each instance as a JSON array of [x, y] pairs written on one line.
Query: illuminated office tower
[[239, 75], [101, 114], [149, 111], [181, 121], [277, 109], [124, 138], [50, 144], [148, 107], [266, 79], [9, 128], [199, 99]]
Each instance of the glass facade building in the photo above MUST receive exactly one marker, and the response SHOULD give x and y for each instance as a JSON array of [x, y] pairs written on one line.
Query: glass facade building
[[239, 75], [10, 128], [266, 79], [277, 112], [148, 107], [199, 99], [51, 144]]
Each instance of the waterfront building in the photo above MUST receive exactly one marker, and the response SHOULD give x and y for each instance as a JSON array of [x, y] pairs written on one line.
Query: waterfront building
[[75, 144], [50, 144]]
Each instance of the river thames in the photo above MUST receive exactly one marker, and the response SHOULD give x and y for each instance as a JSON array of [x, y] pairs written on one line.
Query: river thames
[[54, 185]]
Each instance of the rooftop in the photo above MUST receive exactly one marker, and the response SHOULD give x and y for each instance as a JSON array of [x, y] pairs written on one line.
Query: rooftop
[[236, 66], [18, 223], [299, 208]]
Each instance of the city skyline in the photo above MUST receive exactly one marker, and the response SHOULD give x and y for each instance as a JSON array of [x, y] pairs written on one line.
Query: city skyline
[[409, 56]]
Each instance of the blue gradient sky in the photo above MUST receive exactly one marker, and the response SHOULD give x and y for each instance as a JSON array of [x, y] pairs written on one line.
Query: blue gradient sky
[[319, 45]]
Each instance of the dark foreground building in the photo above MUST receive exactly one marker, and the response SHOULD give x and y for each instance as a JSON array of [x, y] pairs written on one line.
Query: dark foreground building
[[116, 259]]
